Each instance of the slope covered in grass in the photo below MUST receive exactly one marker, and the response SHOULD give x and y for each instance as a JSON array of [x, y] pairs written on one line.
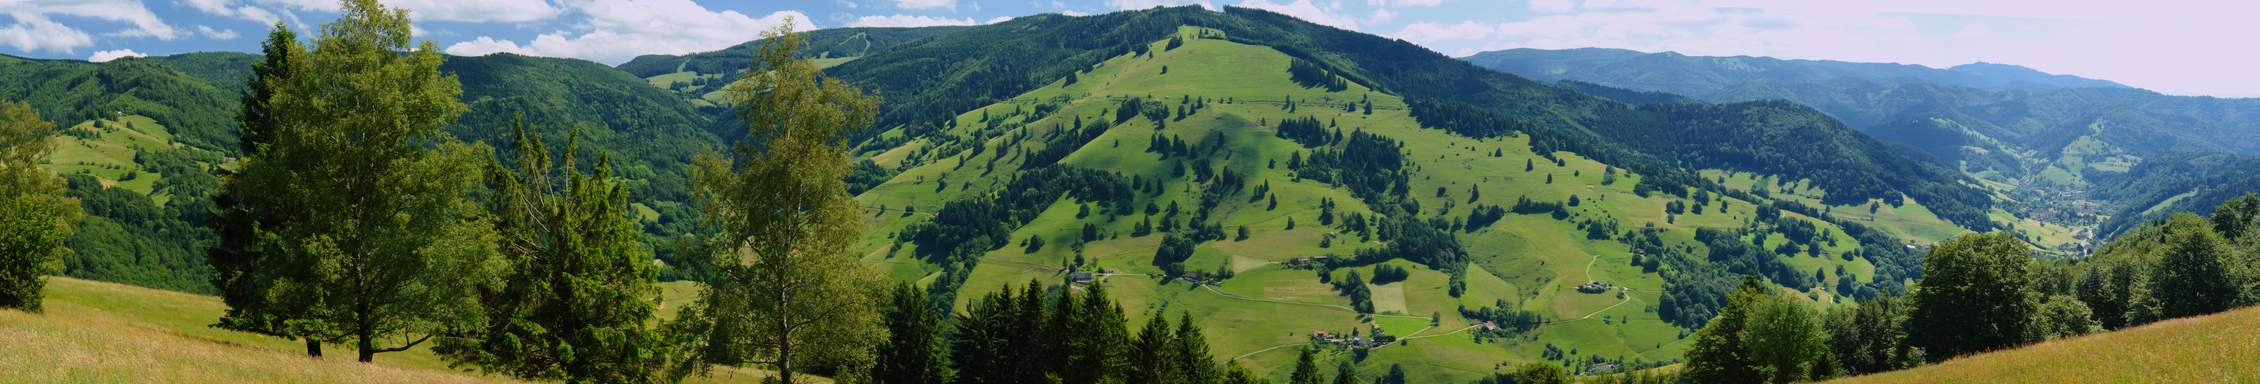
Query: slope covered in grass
[[104, 332], [1225, 99], [2217, 348]]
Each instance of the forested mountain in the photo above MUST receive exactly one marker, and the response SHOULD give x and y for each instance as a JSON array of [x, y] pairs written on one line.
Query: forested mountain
[[2033, 135], [1711, 77], [150, 132], [1222, 165], [2036, 115]]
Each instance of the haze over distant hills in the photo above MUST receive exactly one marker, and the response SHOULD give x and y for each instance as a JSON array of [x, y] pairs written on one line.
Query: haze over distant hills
[[2050, 136]]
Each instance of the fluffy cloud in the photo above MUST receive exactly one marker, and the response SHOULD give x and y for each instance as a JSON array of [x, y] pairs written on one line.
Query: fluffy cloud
[[926, 4], [1329, 15], [34, 32], [998, 19], [228, 8], [34, 27], [104, 56], [618, 30], [1147, 4], [906, 21], [1412, 3], [513, 11], [264, 11]]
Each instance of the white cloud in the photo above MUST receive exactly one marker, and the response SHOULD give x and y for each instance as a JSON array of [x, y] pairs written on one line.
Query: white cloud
[[228, 8], [998, 19], [1329, 15], [926, 4], [216, 34], [1412, 3], [420, 10], [105, 56], [33, 22], [1148, 4], [1073, 13], [618, 30], [513, 11], [906, 21], [34, 32]]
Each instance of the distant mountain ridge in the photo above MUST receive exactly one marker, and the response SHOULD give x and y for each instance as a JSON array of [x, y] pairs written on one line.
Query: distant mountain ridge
[[1692, 74], [2039, 137]]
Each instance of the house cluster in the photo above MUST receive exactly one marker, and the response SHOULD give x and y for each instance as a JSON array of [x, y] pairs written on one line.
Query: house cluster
[[1352, 341], [1596, 286]]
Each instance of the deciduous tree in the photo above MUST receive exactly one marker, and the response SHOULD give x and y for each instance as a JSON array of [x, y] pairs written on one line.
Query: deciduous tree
[[371, 237], [35, 217], [787, 292]]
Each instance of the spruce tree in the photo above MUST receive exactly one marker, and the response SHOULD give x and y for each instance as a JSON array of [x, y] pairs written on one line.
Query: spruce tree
[[1306, 370], [1149, 354], [1190, 350], [576, 303], [235, 258], [912, 353], [1346, 373]]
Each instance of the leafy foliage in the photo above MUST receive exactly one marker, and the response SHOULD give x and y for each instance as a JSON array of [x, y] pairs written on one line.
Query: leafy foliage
[[35, 217]]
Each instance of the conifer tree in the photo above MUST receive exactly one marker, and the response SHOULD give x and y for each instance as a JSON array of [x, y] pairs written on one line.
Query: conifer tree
[[235, 258], [1306, 370], [576, 304], [912, 353]]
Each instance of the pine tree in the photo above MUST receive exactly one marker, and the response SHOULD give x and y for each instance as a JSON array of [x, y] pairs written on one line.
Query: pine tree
[[234, 258], [1306, 371], [787, 290], [35, 216], [1094, 353], [912, 352], [1189, 350], [574, 305], [1149, 354], [1346, 373]]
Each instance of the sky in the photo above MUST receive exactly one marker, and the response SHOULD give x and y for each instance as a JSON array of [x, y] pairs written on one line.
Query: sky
[[2181, 47]]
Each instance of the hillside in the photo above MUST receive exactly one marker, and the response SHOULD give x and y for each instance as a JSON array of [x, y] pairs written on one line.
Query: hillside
[[94, 331], [1198, 162], [2207, 349], [104, 332], [2040, 140], [1215, 147], [145, 135]]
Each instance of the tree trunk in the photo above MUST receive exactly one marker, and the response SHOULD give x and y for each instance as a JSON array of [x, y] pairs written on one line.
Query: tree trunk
[[313, 347], [368, 345]]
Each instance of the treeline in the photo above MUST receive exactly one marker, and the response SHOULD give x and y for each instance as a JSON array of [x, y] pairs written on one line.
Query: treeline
[[1042, 335], [1311, 75], [1987, 292]]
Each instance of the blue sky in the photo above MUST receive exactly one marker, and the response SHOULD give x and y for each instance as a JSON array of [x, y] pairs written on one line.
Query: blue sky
[[2175, 46]]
